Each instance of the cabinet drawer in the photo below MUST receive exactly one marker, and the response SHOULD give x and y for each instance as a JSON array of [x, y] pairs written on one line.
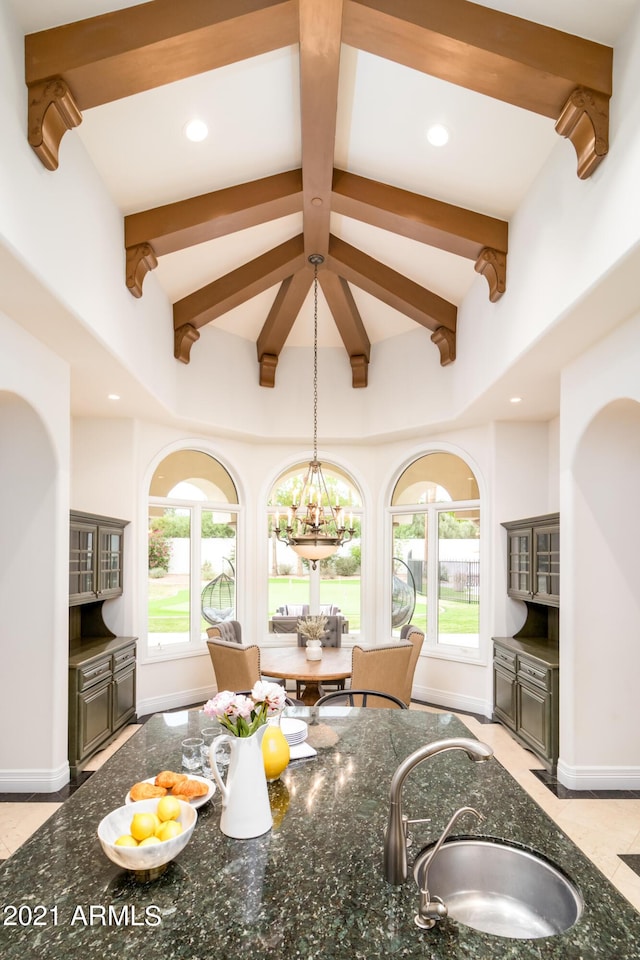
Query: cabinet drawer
[[93, 673], [535, 673], [504, 658], [124, 658]]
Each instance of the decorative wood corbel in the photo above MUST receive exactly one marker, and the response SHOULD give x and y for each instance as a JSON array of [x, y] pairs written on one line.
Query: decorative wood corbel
[[585, 121], [359, 370], [492, 264], [268, 364], [141, 259], [51, 112], [445, 341], [183, 339]]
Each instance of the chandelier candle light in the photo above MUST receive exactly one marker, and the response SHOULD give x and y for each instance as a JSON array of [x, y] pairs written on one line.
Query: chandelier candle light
[[314, 528]]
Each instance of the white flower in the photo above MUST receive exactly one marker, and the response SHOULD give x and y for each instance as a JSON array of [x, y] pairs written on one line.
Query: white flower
[[270, 693], [242, 715]]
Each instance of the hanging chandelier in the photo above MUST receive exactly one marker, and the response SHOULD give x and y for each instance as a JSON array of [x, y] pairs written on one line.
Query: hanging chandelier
[[314, 528]]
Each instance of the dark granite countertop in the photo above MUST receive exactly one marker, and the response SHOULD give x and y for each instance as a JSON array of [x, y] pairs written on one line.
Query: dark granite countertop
[[310, 888]]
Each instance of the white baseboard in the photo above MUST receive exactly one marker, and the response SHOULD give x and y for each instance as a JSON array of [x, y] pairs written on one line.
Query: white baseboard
[[34, 781], [452, 701], [598, 778], [182, 698]]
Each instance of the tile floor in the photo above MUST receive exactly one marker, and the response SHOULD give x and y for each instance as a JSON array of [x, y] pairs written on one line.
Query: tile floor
[[607, 830]]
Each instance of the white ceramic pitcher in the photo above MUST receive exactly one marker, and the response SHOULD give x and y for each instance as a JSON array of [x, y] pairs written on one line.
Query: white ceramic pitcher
[[246, 811]]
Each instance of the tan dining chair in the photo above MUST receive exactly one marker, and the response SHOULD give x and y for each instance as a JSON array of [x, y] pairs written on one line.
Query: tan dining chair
[[236, 666], [414, 636], [384, 668]]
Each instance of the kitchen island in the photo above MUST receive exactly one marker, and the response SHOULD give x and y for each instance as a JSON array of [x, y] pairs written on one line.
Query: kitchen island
[[312, 887]]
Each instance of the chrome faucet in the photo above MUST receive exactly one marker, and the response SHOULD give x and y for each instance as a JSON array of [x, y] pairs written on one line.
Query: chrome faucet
[[434, 909], [395, 841]]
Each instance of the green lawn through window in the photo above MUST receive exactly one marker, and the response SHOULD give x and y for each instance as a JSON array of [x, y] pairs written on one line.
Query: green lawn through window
[[169, 604]]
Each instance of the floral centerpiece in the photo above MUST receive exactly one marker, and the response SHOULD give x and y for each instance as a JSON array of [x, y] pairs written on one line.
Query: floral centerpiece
[[242, 715]]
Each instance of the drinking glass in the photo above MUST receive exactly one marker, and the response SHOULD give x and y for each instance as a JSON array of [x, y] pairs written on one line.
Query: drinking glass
[[192, 754]]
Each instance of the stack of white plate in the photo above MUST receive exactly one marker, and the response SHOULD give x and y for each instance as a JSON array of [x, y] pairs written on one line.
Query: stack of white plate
[[294, 730]]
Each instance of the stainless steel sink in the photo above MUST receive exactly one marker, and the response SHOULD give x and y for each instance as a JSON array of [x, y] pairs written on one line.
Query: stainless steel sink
[[500, 888]]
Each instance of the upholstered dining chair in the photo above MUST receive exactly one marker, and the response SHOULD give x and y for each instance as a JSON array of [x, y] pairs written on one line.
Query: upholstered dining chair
[[414, 636], [384, 668], [360, 698], [229, 630], [236, 666]]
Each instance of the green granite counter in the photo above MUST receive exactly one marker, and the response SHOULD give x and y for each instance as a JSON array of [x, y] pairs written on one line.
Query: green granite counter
[[310, 888]]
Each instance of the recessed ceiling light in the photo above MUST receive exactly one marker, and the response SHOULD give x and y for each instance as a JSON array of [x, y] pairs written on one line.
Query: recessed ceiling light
[[515, 400], [113, 396], [196, 130], [437, 135]]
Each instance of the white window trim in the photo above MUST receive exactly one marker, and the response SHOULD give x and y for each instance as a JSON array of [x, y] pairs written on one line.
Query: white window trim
[[432, 648], [195, 646]]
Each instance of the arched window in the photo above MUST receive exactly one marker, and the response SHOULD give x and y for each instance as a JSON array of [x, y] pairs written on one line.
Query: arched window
[[334, 587], [435, 516], [193, 522]]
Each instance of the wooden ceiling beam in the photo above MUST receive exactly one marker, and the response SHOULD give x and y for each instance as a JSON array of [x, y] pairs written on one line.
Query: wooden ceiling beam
[[94, 61], [137, 48], [532, 66], [204, 305], [399, 292], [175, 226], [281, 318], [433, 222], [349, 323], [505, 57], [320, 30]]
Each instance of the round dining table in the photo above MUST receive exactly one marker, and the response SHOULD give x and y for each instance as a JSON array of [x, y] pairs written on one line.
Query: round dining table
[[290, 663]]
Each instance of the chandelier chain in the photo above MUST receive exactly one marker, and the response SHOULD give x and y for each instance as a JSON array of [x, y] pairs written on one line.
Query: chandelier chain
[[315, 361]]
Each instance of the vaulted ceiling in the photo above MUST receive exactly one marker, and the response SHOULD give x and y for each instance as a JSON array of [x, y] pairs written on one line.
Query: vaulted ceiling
[[316, 197]]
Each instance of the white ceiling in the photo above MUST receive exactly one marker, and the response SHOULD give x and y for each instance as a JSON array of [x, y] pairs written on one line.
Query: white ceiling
[[384, 110]]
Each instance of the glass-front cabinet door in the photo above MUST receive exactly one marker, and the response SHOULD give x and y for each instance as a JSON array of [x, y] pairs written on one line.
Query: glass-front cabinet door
[[82, 547], [110, 562], [547, 563], [519, 571]]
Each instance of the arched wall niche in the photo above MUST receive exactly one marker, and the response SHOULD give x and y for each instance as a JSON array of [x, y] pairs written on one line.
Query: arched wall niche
[[31, 692], [603, 551]]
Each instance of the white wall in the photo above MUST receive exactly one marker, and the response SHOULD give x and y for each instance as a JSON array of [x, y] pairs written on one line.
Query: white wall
[[34, 563], [600, 530]]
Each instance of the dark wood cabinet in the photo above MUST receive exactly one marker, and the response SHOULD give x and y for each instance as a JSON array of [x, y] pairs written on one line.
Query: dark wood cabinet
[[102, 667], [533, 559], [525, 674], [95, 557], [102, 694]]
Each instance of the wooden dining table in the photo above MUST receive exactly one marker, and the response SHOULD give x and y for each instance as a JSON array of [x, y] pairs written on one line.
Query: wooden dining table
[[290, 663]]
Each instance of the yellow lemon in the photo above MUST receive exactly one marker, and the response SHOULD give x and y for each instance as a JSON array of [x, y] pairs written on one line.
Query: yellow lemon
[[169, 830], [157, 822], [148, 842], [168, 808], [126, 840], [143, 825]]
